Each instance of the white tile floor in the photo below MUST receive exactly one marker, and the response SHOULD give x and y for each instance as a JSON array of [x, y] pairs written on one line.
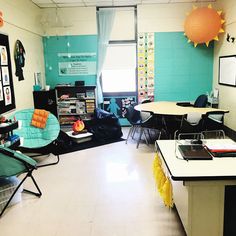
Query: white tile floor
[[104, 191]]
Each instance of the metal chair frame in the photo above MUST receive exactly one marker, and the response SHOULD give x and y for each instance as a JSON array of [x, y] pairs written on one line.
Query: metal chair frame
[[28, 169]]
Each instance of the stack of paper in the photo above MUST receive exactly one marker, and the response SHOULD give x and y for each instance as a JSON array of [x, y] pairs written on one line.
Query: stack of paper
[[222, 149]]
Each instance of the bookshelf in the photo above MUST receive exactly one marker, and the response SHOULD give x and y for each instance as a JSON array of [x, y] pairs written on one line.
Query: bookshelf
[[75, 102]]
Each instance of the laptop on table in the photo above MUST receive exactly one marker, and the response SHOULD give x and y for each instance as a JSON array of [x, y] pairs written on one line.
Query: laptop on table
[[194, 152]]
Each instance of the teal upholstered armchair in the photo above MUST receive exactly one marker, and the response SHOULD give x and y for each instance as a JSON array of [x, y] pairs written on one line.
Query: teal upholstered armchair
[[13, 163], [37, 140]]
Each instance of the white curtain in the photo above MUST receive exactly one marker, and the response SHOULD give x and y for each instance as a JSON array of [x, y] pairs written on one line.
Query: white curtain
[[105, 19]]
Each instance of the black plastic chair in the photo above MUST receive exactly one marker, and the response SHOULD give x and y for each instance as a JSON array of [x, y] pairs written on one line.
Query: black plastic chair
[[145, 114], [201, 101], [214, 120], [134, 118], [151, 123], [213, 134], [191, 124]]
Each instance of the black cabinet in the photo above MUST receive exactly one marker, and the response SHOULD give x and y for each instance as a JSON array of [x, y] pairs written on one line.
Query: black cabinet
[[45, 100]]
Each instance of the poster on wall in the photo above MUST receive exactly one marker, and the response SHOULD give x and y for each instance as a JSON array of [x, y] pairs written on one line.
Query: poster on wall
[[5, 76], [3, 51], [7, 98], [19, 56], [118, 105], [1, 92], [74, 64], [145, 66], [7, 95]]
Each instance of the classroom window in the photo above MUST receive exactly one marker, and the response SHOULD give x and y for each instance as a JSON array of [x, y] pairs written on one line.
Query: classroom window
[[119, 71], [119, 74]]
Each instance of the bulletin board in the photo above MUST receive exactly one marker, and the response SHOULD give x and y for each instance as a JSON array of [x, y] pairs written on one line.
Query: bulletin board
[[7, 97], [227, 70]]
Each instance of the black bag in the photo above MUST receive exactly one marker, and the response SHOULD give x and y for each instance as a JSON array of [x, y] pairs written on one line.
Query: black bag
[[105, 126]]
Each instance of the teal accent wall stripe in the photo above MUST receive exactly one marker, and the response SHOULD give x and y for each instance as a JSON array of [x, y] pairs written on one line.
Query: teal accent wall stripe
[[182, 72], [67, 44]]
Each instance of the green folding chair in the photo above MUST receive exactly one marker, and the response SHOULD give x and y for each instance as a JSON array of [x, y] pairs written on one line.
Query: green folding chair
[[13, 163], [35, 141]]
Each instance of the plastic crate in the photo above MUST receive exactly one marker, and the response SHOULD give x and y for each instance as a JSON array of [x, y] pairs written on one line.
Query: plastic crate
[[7, 187]]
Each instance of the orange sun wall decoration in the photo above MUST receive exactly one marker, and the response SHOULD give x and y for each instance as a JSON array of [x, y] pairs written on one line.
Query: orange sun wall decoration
[[203, 25]]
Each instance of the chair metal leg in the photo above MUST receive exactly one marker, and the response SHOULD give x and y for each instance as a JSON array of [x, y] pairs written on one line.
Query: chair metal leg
[[145, 136], [134, 131], [39, 194], [50, 164], [29, 174], [140, 135], [130, 131]]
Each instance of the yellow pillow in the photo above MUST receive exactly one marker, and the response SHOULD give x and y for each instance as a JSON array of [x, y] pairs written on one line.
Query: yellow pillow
[[39, 118]]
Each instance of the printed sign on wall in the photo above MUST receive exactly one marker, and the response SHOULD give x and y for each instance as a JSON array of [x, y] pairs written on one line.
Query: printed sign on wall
[[145, 66], [77, 64]]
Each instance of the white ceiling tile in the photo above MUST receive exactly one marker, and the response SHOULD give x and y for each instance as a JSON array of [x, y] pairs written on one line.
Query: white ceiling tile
[[181, 1], [72, 3], [154, 1], [68, 2], [46, 5], [125, 3], [99, 4], [206, 0], [42, 1]]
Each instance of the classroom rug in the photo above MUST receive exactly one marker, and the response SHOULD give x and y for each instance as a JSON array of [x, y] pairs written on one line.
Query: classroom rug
[[67, 144]]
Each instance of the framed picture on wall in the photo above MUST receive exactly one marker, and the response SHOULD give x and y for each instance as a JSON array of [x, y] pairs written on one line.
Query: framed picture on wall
[[227, 70], [3, 51]]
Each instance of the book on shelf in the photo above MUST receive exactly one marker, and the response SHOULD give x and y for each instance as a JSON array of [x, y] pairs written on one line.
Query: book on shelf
[[90, 94], [80, 107], [80, 95], [64, 110], [66, 120], [63, 85]]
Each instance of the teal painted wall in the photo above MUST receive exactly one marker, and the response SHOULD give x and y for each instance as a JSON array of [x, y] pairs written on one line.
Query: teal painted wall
[[182, 72], [59, 44]]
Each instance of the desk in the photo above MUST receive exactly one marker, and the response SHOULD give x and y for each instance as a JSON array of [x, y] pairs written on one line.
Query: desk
[[199, 189], [170, 108]]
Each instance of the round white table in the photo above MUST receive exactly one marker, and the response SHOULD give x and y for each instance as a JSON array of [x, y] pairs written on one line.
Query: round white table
[[171, 108]]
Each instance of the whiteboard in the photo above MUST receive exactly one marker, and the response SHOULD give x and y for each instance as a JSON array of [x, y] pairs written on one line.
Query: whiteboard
[[227, 70]]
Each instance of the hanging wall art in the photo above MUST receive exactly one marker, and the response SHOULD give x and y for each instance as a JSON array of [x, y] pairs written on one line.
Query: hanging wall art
[[203, 25], [19, 56]]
